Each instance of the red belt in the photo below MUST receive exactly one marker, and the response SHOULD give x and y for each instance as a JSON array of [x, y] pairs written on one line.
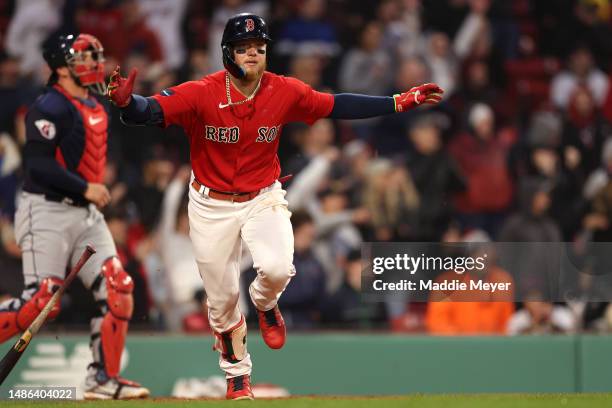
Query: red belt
[[220, 195]]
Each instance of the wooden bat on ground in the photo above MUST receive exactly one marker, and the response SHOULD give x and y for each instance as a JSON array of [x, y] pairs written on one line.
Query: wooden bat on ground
[[15, 353]]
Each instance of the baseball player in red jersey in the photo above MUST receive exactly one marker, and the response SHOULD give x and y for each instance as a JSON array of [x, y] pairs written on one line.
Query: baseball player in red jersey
[[233, 119]]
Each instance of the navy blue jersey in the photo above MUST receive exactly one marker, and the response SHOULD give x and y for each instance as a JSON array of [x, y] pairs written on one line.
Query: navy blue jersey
[[65, 145]]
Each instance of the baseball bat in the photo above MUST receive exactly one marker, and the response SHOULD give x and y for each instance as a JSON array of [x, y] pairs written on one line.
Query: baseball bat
[[15, 353]]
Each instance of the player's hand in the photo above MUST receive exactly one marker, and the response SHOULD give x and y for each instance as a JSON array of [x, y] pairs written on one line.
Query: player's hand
[[427, 93], [98, 194], [120, 88]]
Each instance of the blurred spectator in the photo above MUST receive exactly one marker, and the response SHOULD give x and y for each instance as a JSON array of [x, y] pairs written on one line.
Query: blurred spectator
[[409, 29], [584, 130], [539, 317], [199, 64], [560, 166], [476, 87], [392, 200], [402, 23], [14, 93], [601, 176], [472, 311], [197, 321], [598, 220], [10, 162], [227, 9], [529, 75], [591, 25], [147, 196], [531, 223], [580, 70], [442, 62], [176, 250], [164, 18], [301, 300], [332, 205], [436, 177], [116, 219], [351, 171], [32, 23], [344, 308], [389, 138], [308, 32], [120, 28], [534, 266], [314, 141], [597, 317], [307, 68], [475, 30], [365, 69], [326, 201], [482, 155]]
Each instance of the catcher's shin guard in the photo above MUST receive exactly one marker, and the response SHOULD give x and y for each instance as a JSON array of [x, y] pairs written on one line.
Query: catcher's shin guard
[[113, 293], [232, 343], [17, 314]]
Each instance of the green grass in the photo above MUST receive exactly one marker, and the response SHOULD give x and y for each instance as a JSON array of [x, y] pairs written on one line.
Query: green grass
[[416, 401]]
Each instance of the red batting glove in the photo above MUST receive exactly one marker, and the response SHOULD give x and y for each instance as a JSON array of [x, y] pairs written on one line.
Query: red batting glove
[[120, 89], [427, 93]]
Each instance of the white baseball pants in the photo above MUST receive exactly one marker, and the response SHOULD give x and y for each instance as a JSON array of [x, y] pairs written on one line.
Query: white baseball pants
[[217, 228]]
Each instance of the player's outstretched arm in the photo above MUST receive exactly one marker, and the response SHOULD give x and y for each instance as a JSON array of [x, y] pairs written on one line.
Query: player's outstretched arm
[[354, 106], [135, 109]]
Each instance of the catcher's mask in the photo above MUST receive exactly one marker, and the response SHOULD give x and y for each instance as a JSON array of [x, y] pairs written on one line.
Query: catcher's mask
[[243, 26], [83, 54]]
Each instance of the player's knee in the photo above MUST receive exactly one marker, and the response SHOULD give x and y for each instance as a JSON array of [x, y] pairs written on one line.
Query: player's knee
[[276, 270], [32, 307], [17, 314], [8, 319], [113, 289]]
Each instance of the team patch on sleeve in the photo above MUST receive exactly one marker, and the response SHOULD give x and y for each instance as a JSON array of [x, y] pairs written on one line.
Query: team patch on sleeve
[[46, 128], [166, 92]]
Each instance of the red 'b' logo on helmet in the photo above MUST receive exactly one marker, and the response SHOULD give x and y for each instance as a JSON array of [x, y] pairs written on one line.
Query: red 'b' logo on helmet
[[250, 24]]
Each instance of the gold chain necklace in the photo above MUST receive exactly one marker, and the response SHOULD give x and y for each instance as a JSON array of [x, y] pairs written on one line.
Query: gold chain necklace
[[229, 98]]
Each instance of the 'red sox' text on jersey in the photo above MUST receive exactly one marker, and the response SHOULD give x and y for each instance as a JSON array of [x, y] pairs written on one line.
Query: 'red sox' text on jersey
[[234, 148]]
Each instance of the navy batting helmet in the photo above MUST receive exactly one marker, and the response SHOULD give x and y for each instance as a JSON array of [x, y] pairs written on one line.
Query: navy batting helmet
[[244, 26]]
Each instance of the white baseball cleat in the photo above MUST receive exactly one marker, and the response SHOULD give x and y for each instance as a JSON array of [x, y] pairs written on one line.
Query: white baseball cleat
[[100, 387]]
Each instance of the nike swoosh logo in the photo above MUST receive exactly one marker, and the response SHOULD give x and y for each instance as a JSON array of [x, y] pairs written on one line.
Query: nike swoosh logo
[[94, 121], [223, 105]]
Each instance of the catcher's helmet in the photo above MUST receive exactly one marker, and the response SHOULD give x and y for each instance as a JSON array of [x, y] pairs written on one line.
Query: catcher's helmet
[[240, 27], [83, 54]]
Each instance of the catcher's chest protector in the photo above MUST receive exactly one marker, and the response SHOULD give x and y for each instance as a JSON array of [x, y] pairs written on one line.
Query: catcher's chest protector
[[89, 135]]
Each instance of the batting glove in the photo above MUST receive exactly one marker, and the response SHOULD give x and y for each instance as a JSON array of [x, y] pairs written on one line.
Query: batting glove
[[427, 93], [120, 89]]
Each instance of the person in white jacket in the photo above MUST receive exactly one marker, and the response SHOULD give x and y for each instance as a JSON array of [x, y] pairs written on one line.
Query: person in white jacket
[[176, 249]]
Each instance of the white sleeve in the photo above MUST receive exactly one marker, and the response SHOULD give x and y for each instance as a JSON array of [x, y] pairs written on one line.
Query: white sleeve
[[304, 187], [469, 30], [563, 319], [519, 323], [170, 204]]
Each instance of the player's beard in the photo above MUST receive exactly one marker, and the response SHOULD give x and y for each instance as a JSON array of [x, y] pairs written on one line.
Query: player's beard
[[255, 73]]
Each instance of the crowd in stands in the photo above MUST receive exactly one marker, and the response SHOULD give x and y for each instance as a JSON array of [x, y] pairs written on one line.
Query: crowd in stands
[[519, 150]]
